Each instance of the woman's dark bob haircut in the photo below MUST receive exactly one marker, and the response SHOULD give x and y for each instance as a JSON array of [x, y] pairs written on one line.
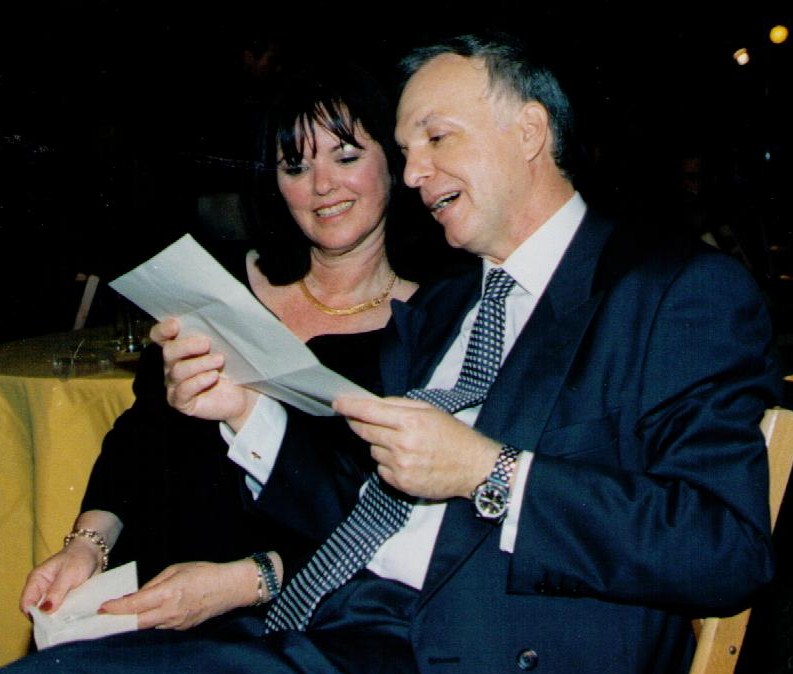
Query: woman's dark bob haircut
[[338, 96]]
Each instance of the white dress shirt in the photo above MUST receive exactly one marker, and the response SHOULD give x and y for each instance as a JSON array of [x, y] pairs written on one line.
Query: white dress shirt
[[532, 264]]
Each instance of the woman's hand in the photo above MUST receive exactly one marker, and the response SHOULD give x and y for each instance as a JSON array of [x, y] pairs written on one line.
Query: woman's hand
[[185, 595], [193, 378], [48, 583]]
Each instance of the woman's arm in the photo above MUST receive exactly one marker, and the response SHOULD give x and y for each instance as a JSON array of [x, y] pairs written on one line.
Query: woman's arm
[[82, 557], [185, 595]]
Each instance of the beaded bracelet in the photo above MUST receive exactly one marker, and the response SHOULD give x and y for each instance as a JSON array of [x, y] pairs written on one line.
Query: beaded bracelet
[[93, 536], [267, 576]]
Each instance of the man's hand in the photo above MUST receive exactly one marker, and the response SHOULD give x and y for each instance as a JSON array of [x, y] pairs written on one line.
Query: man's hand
[[193, 378], [185, 595], [420, 449]]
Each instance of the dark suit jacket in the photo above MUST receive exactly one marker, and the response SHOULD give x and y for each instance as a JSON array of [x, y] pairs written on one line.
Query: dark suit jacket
[[639, 383]]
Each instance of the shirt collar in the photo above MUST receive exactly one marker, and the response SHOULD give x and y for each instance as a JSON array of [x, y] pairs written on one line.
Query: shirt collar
[[533, 262]]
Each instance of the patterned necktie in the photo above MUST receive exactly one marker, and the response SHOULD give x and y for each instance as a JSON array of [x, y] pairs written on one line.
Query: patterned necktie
[[379, 514]]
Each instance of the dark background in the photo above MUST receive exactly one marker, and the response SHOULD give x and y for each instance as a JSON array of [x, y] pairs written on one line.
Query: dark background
[[115, 116]]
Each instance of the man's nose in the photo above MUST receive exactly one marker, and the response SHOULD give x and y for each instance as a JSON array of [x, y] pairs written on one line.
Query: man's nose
[[417, 168]]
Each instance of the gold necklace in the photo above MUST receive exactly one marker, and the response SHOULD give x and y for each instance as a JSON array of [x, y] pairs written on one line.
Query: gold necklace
[[356, 308]]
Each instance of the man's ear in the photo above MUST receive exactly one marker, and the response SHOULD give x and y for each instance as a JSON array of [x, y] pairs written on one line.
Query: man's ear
[[533, 122]]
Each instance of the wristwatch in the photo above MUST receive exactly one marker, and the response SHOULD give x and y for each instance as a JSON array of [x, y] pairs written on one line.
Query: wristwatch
[[267, 577], [491, 498]]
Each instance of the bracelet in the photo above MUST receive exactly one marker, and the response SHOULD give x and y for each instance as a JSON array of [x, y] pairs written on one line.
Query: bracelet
[[266, 576], [93, 536]]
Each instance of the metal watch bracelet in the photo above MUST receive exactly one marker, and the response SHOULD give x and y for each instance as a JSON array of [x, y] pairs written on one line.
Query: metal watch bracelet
[[267, 578]]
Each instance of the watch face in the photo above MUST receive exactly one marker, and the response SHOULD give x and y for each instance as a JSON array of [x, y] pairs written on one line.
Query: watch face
[[490, 500]]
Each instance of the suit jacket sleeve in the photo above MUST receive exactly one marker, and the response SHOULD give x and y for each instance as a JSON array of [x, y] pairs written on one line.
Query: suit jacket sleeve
[[315, 482]]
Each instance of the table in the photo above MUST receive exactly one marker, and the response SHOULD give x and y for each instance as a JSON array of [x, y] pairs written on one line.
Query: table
[[59, 395]]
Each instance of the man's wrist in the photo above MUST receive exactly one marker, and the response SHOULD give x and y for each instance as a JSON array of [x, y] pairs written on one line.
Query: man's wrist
[[491, 497], [486, 459], [238, 421]]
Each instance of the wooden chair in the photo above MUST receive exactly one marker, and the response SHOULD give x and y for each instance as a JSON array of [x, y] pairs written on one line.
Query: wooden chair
[[719, 640]]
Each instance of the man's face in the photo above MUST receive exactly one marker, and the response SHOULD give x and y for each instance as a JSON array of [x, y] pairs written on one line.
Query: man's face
[[463, 151]]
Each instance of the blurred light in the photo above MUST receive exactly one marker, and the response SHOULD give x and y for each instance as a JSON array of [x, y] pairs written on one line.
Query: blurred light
[[778, 34], [741, 56]]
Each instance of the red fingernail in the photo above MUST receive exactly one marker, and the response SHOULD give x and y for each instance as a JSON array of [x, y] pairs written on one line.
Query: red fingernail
[[46, 605], [100, 610]]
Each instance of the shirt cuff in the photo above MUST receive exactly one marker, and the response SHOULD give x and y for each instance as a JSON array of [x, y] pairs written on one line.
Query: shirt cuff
[[255, 447], [509, 527]]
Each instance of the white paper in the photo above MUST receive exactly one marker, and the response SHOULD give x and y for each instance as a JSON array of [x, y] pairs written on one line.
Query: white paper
[[77, 618], [184, 281]]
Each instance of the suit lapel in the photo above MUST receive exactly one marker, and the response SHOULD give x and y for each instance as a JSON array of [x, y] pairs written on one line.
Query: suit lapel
[[527, 387], [421, 335]]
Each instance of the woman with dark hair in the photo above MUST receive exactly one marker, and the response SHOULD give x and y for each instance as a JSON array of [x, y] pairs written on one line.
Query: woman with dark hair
[[321, 197], [338, 103]]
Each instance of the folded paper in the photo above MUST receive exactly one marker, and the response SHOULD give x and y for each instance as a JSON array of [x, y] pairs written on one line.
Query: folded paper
[[77, 617], [184, 281]]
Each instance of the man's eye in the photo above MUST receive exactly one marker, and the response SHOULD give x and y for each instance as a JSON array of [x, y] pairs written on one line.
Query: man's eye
[[437, 138]]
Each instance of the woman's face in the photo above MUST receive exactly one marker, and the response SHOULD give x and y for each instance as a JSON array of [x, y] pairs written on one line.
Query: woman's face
[[339, 194]]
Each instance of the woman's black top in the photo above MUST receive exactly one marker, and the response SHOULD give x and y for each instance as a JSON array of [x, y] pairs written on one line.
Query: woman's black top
[[168, 479]]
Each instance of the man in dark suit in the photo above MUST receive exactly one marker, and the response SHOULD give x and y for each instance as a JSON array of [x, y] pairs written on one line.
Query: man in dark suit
[[612, 484], [634, 389]]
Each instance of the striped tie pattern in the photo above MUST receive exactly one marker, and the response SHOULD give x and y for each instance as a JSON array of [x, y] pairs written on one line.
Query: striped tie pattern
[[380, 514]]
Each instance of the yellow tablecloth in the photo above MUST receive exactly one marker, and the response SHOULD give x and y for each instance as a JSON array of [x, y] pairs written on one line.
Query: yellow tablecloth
[[51, 429]]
